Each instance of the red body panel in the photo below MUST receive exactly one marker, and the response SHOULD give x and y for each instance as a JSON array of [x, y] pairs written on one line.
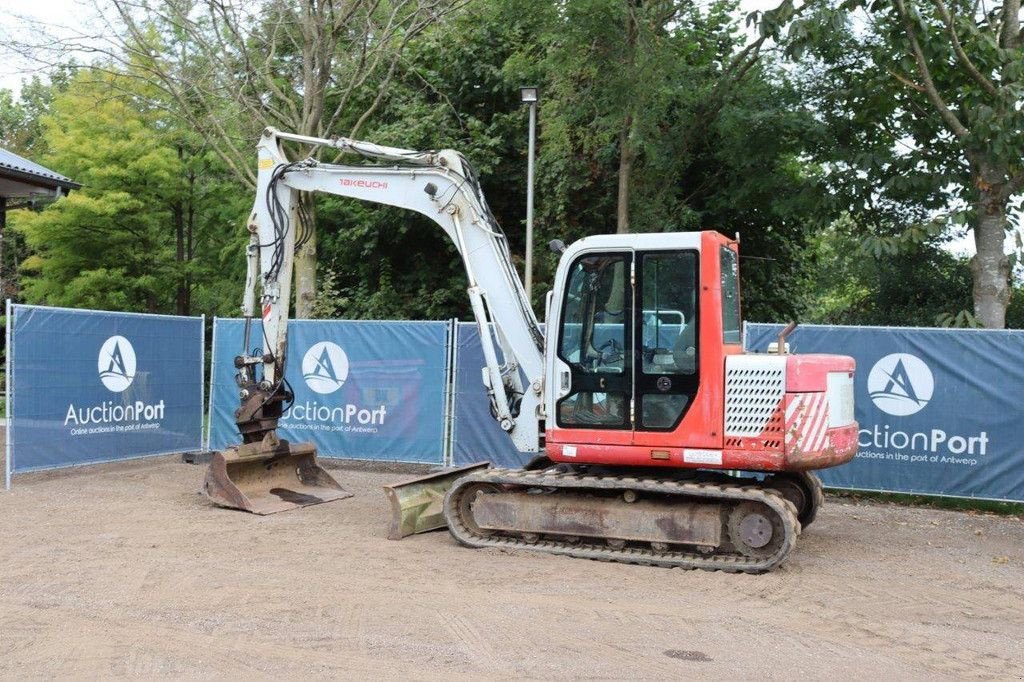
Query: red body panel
[[807, 373]]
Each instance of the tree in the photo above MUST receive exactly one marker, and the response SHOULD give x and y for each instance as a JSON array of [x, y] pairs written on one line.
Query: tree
[[728, 161], [21, 126], [456, 88], [929, 93], [922, 284], [230, 69], [715, 138], [151, 202]]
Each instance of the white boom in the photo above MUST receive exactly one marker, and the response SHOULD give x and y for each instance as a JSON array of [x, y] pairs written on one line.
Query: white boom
[[438, 184]]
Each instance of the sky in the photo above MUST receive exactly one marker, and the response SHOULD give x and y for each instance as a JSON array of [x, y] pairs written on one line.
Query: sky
[[53, 12], [58, 13]]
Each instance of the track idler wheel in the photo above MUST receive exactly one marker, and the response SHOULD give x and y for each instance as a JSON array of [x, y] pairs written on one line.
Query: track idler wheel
[[755, 530], [469, 497], [804, 490]]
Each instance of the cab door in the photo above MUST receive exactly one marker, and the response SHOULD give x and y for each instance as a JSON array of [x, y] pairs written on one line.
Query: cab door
[[596, 343]]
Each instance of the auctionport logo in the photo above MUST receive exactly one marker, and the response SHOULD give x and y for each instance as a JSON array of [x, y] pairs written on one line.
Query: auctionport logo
[[325, 367], [116, 363], [900, 384], [116, 366]]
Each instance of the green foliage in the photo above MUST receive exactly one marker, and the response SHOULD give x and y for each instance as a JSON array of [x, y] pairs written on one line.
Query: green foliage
[[924, 102], [832, 174], [920, 285], [730, 161], [457, 89], [715, 149], [112, 244], [21, 125]]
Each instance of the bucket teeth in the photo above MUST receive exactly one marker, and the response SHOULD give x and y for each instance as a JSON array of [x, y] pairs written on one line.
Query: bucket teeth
[[269, 477]]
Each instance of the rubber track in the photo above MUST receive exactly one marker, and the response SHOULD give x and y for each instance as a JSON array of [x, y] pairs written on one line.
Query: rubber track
[[818, 498], [733, 563]]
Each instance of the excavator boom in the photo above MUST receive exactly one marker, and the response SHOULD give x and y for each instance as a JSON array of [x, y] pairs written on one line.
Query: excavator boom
[[266, 474]]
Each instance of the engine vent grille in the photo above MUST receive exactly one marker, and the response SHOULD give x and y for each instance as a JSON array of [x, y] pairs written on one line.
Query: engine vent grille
[[754, 388]]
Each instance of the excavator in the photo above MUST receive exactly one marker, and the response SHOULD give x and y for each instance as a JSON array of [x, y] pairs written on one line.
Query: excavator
[[657, 439]]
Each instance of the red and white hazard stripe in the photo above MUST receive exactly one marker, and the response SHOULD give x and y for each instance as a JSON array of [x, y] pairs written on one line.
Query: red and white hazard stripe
[[807, 422]]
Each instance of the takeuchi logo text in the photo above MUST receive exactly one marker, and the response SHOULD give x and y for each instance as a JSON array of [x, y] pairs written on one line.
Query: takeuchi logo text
[[365, 184]]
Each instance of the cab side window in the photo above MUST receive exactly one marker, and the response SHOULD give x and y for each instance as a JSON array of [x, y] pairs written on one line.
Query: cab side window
[[668, 378], [730, 295]]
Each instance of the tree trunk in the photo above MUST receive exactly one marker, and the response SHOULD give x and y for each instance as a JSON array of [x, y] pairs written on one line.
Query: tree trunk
[[190, 224], [179, 257], [305, 262], [178, 211], [991, 267], [626, 158]]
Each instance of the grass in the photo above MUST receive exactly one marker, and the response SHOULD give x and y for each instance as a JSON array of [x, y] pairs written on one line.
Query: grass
[[951, 503]]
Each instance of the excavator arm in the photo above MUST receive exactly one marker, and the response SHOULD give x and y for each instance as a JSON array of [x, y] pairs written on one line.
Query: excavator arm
[[440, 185]]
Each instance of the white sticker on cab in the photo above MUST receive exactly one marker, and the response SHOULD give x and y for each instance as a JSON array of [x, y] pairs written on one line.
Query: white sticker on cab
[[569, 450], [695, 456]]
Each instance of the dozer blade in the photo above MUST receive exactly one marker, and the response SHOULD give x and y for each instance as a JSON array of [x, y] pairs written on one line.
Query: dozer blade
[[417, 505], [269, 477]]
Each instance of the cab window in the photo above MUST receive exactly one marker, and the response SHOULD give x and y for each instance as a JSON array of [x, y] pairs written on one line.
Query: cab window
[[730, 296]]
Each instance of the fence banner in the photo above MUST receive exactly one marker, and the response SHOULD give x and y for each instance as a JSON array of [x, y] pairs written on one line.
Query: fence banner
[[89, 386], [363, 390], [940, 410], [475, 433]]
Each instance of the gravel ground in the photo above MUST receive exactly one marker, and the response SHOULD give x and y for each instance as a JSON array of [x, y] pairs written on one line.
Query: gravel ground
[[125, 571]]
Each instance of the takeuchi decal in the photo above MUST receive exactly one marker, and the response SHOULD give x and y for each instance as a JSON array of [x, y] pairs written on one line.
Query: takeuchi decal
[[365, 184]]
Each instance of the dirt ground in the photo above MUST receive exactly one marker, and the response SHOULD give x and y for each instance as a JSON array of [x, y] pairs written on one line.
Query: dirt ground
[[125, 571]]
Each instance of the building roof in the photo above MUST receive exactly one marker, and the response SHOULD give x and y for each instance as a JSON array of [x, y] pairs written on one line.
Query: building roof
[[20, 177]]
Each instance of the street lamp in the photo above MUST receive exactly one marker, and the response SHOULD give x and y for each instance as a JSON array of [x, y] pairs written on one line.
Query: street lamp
[[528, 94]]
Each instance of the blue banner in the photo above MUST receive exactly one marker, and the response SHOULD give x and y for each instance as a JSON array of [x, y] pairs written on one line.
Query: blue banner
[[89, 386], [363, 390], [940, 410], [476, 435]]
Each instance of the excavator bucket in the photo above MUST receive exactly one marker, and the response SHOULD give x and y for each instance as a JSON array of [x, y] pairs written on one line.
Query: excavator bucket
[[269, 477], [417, 505]]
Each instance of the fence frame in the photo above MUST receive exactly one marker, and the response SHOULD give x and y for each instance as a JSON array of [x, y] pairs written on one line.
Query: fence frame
[[940, 330], [9, 392], [448, 376]]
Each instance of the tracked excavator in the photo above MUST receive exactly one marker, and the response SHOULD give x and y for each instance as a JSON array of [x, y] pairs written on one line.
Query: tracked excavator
[[657, 439]]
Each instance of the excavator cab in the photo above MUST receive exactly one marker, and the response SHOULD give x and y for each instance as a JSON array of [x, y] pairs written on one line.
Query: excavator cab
[[623, 343], [646, 367]]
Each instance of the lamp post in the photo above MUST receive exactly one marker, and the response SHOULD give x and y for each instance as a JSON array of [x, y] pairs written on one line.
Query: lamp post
[[528, 94]]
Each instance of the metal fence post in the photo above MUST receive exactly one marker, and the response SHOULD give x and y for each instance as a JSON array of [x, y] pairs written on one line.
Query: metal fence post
[[202, 378], [449, 393], [8, 402], [213, 376]]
